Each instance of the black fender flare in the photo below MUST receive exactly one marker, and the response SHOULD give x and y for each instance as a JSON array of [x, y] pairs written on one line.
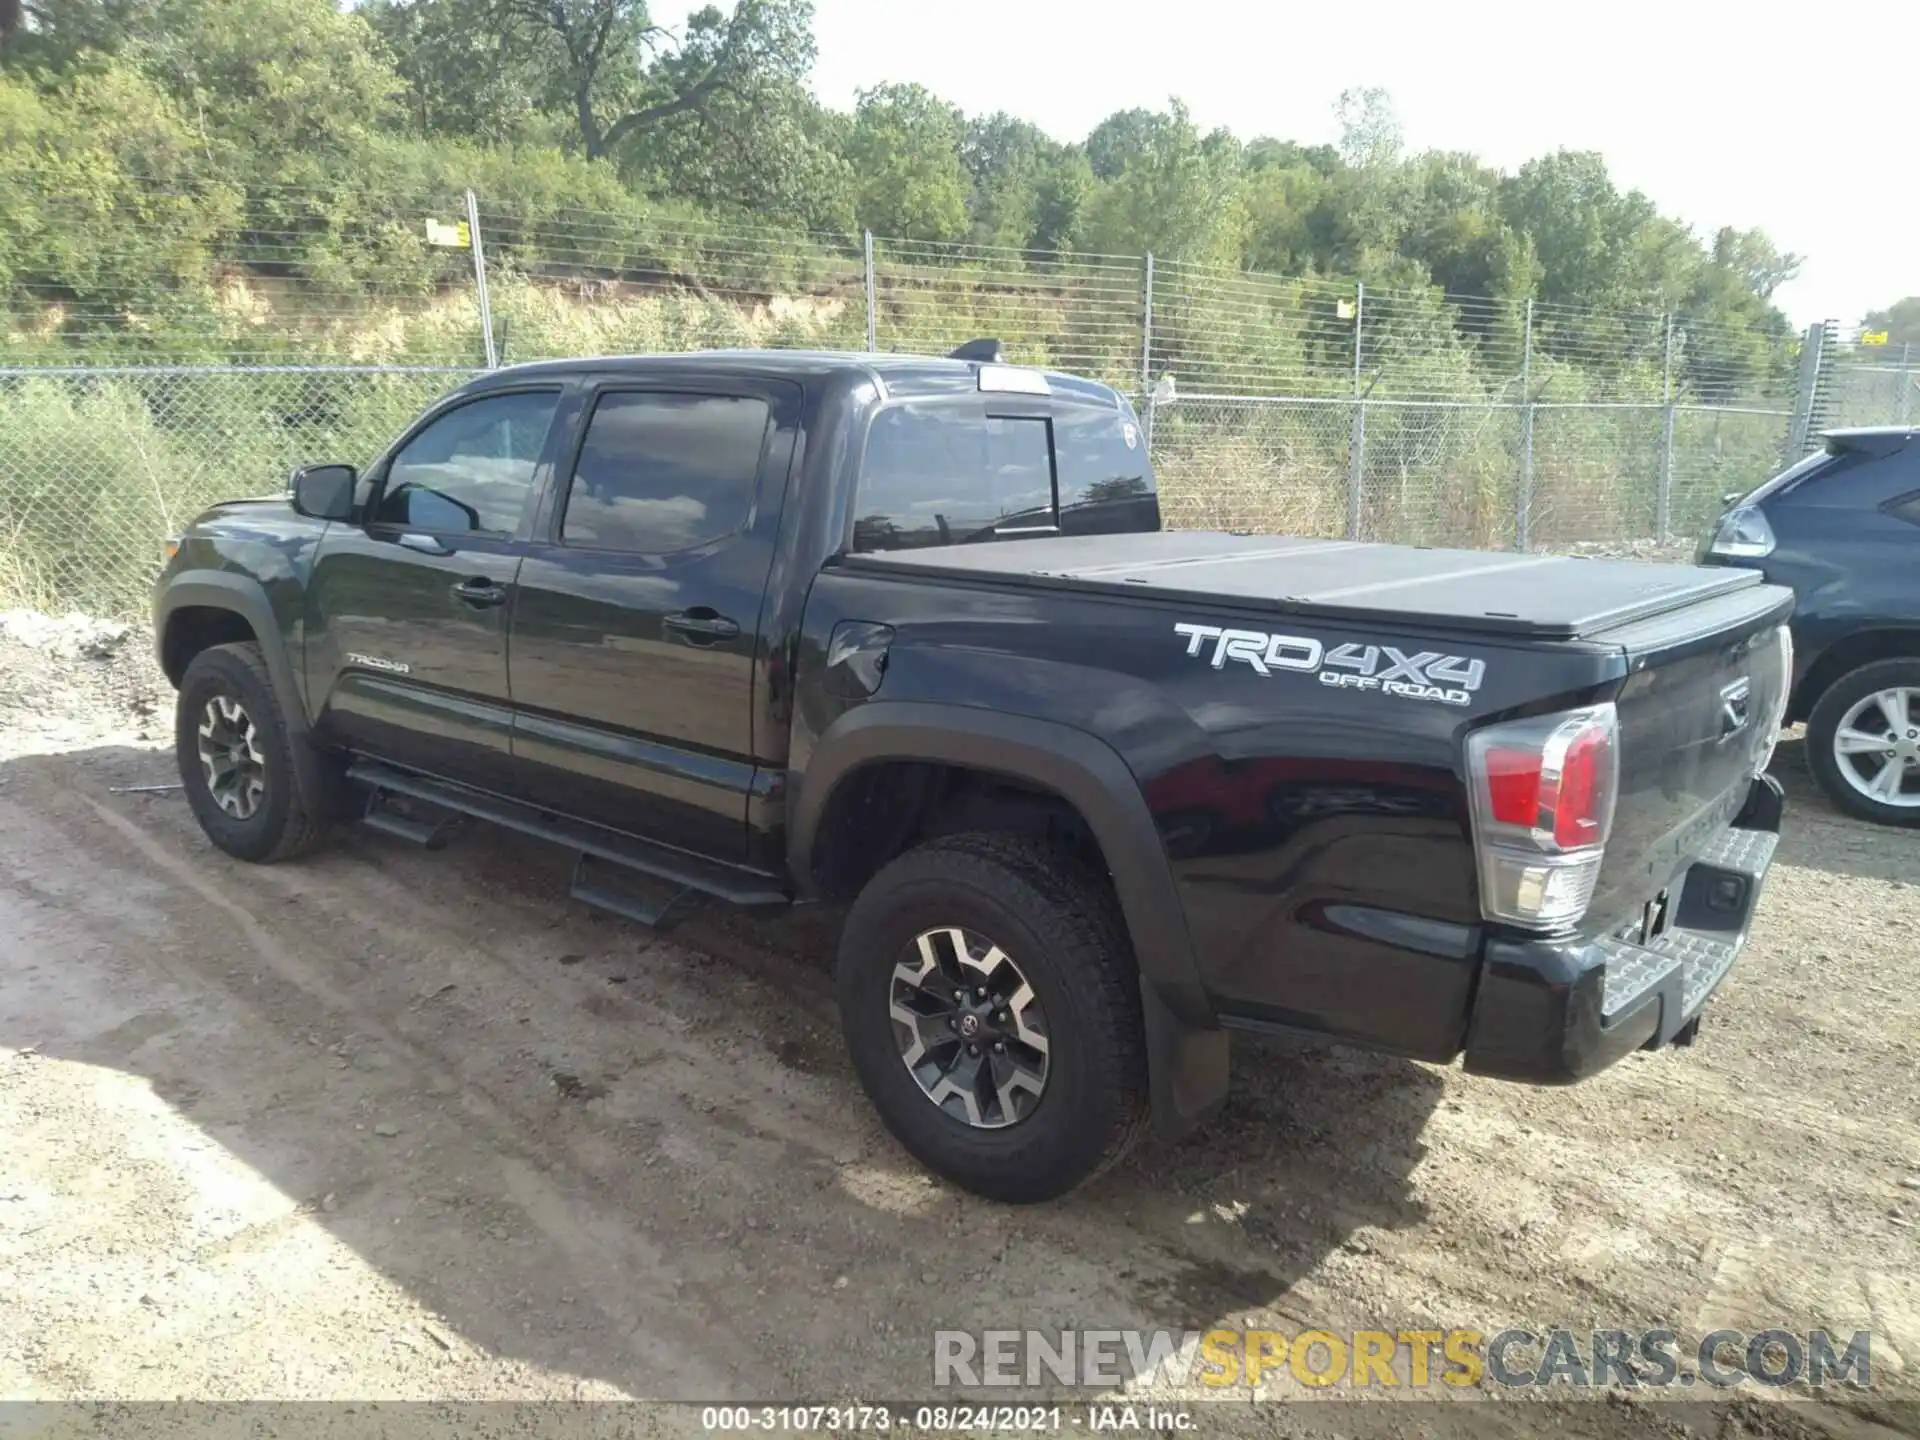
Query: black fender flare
[[1186, 1048], [246, 597]]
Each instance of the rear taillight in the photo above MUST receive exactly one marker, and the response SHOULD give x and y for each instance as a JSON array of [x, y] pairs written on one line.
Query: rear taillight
[[1543, 792]]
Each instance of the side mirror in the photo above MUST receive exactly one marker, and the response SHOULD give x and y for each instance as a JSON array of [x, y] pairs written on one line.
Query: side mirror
[[323, 492]]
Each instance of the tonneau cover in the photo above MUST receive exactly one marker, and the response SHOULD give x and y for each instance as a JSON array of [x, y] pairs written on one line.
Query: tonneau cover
[[1542, 596]]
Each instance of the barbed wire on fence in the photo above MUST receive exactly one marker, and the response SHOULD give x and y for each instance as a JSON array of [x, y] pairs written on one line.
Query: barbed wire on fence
[[145, 385]]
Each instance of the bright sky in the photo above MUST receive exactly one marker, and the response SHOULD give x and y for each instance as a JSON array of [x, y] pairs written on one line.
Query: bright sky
[[1795, 119]]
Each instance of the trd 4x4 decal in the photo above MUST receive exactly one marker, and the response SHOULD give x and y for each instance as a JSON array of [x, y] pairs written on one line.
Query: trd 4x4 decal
[[1428, 675]]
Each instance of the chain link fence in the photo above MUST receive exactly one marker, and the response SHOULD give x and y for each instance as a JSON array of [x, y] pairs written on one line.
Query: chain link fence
[[1874, 385], [1309, 406], [99, 466]]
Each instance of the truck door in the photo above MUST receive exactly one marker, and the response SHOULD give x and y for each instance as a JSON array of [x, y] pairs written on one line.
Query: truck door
[[407, 613], [635, 642]]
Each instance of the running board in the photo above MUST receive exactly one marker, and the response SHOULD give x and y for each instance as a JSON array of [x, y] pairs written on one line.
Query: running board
[[690, 875], [428, 835], [661, 916]]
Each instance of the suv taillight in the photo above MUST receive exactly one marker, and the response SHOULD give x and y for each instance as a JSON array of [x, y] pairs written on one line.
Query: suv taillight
[[1741, 534], [1543, 792]]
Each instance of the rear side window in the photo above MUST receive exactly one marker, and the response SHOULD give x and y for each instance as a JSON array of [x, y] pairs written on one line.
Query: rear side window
[[661, 472], [941, 475], [1106, 485], [1845, 476]]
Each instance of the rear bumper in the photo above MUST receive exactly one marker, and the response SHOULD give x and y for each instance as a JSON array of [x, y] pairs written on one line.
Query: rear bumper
[[1551, 1011]]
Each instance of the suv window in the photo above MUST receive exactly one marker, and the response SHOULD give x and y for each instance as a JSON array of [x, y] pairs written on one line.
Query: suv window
[[940, 475], [470, 469], [660, 472]]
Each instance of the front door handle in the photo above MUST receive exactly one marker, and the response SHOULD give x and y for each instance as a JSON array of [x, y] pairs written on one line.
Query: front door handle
[[479, 592], [702, 624]]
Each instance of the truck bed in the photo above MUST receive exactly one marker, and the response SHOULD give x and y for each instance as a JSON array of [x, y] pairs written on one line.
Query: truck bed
[[1547, 597]]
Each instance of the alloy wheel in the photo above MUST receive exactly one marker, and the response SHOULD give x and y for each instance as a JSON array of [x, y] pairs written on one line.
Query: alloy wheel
[[970, 1029], [230, 758], [1876, 746]]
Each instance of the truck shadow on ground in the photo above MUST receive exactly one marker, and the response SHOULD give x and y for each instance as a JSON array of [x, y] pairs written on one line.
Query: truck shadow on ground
[[563, 1224]]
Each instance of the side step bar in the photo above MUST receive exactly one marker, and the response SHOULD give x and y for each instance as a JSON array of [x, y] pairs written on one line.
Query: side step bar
[[691, 876]]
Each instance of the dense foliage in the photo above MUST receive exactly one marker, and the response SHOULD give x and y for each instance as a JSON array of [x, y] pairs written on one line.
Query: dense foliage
[[150, 149]]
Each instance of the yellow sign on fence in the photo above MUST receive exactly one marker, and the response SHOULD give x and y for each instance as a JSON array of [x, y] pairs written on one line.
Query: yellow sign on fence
[[1873, 337], [453, 236]]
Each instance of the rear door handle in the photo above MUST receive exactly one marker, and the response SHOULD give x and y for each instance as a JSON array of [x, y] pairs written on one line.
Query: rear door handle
[[479, 592], [701, 623]]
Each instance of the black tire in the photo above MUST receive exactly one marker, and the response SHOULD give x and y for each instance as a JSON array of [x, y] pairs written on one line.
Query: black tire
[[1060, 925], [1824, 723], [302, 789]]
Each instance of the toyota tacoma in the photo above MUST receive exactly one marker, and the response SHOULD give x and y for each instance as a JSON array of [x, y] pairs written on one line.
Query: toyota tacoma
[[767, 628]]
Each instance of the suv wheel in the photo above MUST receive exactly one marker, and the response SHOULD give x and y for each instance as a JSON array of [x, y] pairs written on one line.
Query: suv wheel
[[1863, 742], [991, 1006], [238, 762]]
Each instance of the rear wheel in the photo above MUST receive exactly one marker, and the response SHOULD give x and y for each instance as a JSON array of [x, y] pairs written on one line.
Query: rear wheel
[[256, 789], [991, 1006], [1863, 742]]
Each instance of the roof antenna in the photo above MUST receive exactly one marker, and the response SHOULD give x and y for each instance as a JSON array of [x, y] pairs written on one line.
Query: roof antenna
[[987, 352]]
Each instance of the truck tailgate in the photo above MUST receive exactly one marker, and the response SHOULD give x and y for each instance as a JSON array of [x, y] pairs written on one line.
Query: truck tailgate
[[1697, 721]]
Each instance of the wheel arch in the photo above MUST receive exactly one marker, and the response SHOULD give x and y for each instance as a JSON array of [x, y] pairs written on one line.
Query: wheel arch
[[1187, 1052], [1847, 654], [202, 608]]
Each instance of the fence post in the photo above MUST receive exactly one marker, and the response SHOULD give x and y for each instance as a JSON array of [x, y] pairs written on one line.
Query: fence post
[[1146, 335], [1663, 493], [1906, 382], [872, 306], [1357, 436], [1523, 496], [480, 280], [1800, 427]]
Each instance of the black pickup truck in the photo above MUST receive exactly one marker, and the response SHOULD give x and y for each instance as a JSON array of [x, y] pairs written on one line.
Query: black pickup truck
[[734, 625]]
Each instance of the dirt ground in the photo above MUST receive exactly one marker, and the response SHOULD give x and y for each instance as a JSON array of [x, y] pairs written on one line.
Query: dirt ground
[[388, 1124]]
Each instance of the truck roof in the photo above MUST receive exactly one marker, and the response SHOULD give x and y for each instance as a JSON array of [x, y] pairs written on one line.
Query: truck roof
[[1536, 596], [898, 374]]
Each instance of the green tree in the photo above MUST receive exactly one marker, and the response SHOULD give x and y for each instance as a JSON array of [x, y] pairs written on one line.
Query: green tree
[[1060, 198], [905, 151], [1175, 193], [1762, 266], [1117, 139], [1369, 128], [1005, 159], [1901, 321], [1582, 228], [1457, 232], [463, 75], [779, 158], [620, 75], [53, 36], [282, 85], [85, 169]]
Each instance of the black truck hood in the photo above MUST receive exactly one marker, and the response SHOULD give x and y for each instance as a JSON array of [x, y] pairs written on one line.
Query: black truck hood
[[1547, 597]]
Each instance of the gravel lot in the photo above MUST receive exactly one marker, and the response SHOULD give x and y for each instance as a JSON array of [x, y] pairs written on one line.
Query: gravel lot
[[390, 1124]]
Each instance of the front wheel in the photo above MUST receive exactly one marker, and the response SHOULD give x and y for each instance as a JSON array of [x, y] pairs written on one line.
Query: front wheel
[[1863, 741], [237, 760], [991, 1006]]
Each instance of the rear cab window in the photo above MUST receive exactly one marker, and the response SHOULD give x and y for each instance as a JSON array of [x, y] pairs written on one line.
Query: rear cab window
[[949, 472]]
